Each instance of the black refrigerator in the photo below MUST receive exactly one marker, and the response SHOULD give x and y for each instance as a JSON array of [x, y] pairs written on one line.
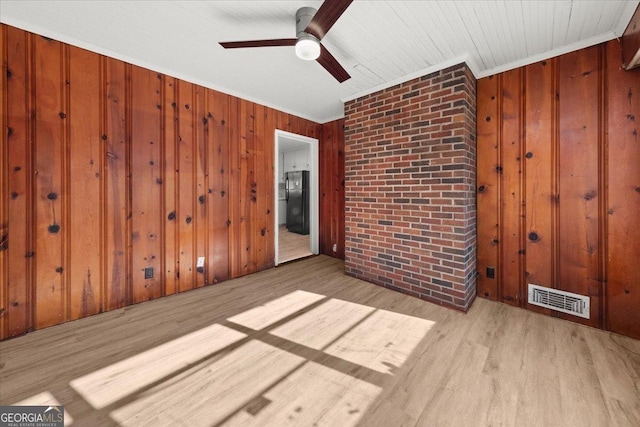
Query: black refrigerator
[[296, 187]]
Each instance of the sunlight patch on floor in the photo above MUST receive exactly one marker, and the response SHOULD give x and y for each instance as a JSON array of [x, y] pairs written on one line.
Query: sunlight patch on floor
[[382, 342], [45, 399], [319, 327], [302, 358], [313, 395], [115, 382], [210, 392], [275, 310]]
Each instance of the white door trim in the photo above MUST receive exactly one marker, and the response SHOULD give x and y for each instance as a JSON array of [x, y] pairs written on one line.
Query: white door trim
[[314, 203]]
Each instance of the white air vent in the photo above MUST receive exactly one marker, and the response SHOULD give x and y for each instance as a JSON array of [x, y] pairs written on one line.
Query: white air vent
[[566, 302]]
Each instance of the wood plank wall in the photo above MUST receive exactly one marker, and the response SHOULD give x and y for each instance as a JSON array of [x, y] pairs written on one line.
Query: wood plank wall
[[332, 189], [109, 168], [559, 184]]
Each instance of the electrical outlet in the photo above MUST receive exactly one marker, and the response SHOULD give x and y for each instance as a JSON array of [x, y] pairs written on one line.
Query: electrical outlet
[[148, 273], [335, 247], [491, 273], [200, 262]]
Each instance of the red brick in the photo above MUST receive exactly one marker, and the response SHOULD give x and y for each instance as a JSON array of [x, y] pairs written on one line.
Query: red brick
[[410, 187]]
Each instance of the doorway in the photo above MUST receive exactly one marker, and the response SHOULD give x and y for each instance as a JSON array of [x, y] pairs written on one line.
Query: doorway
[[290, 246]]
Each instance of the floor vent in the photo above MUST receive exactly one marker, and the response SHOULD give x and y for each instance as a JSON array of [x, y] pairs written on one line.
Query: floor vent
[[566, 302]]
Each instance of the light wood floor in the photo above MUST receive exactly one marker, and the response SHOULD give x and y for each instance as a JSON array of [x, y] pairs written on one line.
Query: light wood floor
[[292, 245], [304, 345]]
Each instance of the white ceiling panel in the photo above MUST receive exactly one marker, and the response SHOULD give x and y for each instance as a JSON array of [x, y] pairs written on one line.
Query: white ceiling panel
[[379, 42]]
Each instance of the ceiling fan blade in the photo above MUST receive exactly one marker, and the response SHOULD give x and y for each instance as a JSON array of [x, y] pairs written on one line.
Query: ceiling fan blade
[[326, 16], [332, 65], [259, 43]]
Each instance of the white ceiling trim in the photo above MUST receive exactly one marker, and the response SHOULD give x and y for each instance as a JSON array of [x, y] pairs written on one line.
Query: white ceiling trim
[[414, 75], [154, 67], [625, 19], [381, 43], [330, 119], [581, 44]]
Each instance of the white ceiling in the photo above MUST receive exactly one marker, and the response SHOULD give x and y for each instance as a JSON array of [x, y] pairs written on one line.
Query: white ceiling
[[380, 43], [286, 144]]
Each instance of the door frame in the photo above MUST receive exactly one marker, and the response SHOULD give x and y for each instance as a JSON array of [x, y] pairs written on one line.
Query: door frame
[[314, 204]]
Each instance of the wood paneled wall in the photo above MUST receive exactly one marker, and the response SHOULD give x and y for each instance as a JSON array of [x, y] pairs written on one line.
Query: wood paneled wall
[[559, 184], [109, 168], [332, 189]]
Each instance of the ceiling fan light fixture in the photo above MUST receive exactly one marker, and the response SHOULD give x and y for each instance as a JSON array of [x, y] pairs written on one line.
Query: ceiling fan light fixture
[[308, 48], [311, 27]]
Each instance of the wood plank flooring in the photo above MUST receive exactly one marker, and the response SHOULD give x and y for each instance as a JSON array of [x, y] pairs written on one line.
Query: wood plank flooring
[[292, 246], [304, 345]]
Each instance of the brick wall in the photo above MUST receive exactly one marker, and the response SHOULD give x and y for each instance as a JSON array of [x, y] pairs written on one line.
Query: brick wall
[[410, 175]]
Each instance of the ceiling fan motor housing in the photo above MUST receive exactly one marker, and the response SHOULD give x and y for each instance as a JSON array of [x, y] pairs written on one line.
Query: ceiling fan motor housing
[[303, 17], [307, 45]]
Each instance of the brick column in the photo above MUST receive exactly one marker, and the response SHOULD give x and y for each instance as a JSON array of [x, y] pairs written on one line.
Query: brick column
[[410, 177]]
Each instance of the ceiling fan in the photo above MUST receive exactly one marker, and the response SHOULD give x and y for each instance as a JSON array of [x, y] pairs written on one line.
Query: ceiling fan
[[311, 27]]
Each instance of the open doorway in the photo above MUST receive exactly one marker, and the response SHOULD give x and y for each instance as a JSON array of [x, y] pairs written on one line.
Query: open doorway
[[295, 153]]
